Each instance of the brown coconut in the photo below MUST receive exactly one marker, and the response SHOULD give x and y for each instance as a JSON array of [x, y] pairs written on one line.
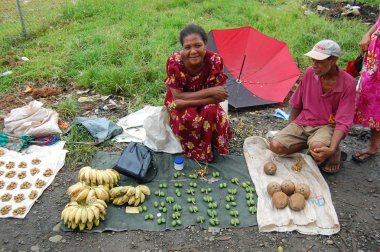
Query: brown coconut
[[287, 187], [280, 200], [303, 189], [270, 168], [273, 187], [297, 202]]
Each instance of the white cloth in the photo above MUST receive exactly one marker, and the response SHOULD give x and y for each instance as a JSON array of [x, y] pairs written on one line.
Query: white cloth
[[150, 126], [51, 157], [33, 120], [318, 217]]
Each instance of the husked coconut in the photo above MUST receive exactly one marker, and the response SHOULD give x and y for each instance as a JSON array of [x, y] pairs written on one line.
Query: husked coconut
[[280, 200], [270, 168], [273, 187], [303, 189], [287, 187], [297, 202]]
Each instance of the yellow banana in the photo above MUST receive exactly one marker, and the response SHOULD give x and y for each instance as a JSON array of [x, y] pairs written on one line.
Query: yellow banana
[[131, 191], [145, 190], [102, 216], [137, 202], [89, 225], [74, 225], [82, 195], [90, 214], [93, 177], [101, 208], [124, 189], [75, 189], [90, 195], [83, 217], [96, 212], [131, 200], [96, 222], [99, 178], [78, 214], [137, 193], [142, 198], [73, 213], [81, 226]]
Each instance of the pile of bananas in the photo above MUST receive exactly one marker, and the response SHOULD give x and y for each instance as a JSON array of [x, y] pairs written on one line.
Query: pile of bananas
[[129, 194], [108, 177], [82, 215], [82, 192]]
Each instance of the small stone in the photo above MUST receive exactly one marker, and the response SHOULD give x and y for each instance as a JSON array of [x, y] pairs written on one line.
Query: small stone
[[56, 184], [6, 242], [57, 227], [55, 238], [370, 179], [376, 217], [35, 248], [212, 238], [330, 242]]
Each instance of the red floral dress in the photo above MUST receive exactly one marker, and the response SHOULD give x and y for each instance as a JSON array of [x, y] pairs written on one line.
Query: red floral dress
[[198, 128], [367, 110]]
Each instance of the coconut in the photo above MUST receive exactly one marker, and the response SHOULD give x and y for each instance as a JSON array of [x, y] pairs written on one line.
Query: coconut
[[297, 202], [303, 189], [287, 187], [280, 200], [273, 187], [270, 168]]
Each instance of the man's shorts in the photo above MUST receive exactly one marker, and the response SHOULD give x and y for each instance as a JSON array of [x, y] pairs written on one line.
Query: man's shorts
[[296, 134]]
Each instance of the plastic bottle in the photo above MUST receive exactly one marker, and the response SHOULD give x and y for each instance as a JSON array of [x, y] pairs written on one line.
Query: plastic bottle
[[178, 163]]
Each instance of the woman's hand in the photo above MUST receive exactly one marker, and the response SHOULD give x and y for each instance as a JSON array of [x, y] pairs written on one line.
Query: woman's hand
[[364, 43], [219, 93]]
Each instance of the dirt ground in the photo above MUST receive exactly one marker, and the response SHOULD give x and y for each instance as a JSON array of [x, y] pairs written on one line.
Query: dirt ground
[[355, 193]]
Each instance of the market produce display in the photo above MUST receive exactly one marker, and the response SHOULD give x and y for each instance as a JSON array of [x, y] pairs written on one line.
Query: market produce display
[[130, 195], [90, 176], [23, 178]]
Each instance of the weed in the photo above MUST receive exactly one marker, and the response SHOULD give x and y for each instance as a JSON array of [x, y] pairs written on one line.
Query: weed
[[80, 145], [68, 108]]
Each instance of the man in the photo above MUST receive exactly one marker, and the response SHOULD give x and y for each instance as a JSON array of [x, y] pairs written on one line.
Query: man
[[322, 109]]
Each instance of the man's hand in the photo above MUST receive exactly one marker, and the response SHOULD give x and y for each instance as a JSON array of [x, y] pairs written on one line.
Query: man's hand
[[321, 154]]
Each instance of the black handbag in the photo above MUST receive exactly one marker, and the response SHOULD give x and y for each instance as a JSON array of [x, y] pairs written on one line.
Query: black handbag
[[135, 161]]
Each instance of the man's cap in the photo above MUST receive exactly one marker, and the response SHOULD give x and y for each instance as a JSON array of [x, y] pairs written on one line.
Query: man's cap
[[324, 49]]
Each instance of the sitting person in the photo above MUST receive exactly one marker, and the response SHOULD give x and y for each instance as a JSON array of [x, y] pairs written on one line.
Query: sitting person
[[196, 84], [322, 109]]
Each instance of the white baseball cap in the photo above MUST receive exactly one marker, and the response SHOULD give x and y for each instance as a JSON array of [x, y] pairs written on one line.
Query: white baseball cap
[[324, 49]]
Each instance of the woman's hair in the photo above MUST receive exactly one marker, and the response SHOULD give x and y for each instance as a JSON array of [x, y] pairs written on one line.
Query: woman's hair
[[193, 29]]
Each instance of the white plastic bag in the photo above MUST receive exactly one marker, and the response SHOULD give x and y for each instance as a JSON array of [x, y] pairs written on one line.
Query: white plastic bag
[[32, 120]]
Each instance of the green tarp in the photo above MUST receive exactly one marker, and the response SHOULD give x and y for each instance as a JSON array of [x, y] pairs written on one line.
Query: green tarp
[[229, 167]]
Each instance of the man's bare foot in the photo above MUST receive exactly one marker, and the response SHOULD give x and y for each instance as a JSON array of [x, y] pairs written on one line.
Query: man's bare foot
[[364, 155]]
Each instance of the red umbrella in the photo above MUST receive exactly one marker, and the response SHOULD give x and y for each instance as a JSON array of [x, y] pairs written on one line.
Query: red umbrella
[[256, 63]]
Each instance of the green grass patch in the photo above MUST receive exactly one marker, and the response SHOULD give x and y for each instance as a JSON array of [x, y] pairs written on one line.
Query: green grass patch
[[118, 46], [68, 108], [80, 146]]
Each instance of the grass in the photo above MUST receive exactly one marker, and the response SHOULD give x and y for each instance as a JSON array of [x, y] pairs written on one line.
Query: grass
[[79, 143], [117, 46], [68, 108]]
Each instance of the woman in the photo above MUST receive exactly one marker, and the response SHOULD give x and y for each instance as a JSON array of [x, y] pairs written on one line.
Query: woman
[[195, 86], [368, 101]]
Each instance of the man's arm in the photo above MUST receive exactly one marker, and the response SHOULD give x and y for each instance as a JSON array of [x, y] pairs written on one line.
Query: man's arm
[[325, 152]]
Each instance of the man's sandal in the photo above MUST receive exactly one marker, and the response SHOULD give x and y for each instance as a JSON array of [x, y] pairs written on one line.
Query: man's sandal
[[323, 168]]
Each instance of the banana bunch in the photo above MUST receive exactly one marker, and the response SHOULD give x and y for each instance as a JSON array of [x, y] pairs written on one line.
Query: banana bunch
[[84, 215], [133, 196], [82, 192], [108, 177]]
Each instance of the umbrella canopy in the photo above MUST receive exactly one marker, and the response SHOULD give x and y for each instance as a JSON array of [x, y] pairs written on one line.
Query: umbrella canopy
[[261, 69]]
